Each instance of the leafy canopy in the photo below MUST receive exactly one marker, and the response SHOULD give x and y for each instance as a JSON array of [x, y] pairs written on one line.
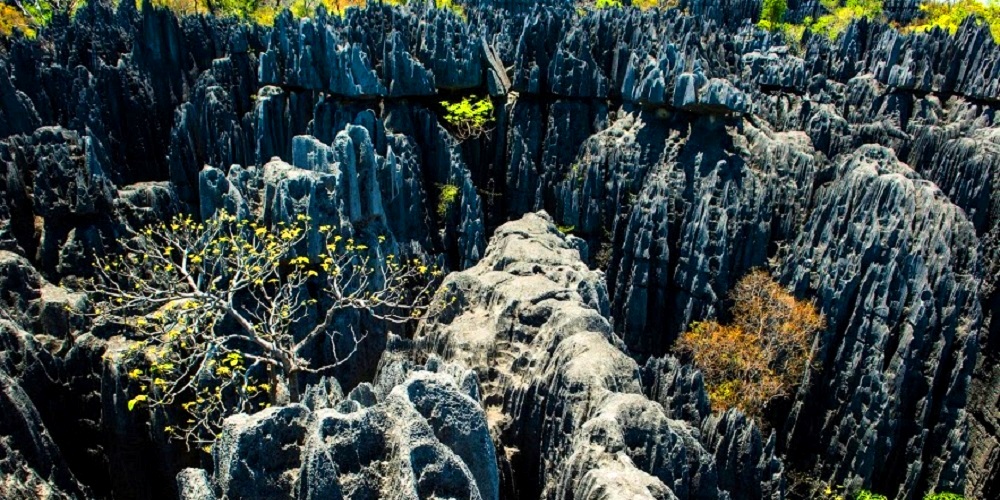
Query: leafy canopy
[[12, 20], [943, 496], [950, 15], [772, 13], [762, 354], [469, 118], [229, 315], [839, 17]]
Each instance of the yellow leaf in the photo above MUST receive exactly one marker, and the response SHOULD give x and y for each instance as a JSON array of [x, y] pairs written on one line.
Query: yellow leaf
[[132, 402]]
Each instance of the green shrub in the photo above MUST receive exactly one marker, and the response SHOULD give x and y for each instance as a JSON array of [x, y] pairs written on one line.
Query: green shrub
[[949, 16], [943, 496], [452, 6], [609, 4], [867, 495], [772, 13], [470, 117], [447, 198], [839, 16]]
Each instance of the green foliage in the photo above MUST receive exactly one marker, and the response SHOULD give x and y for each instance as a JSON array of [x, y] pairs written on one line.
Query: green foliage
[[943, 496], [772, 16], [470, 117], [609, 4], [772, 13], [949, 16], [447, 199], [867, 495], [565, 229], [212, 313], [307, 8], [654, 4], [839, 16], [452, 6]]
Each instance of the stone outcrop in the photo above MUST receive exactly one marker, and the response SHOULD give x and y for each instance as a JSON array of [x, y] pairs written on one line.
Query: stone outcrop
[[425, 438], [566, 403], [900, 293], [682, 148]]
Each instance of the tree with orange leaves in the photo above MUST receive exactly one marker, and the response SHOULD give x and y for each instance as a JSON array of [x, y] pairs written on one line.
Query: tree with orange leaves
[[762, 354]]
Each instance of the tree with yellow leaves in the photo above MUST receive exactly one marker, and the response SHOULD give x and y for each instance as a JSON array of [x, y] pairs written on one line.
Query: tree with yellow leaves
[[218, 313], [762, 354]]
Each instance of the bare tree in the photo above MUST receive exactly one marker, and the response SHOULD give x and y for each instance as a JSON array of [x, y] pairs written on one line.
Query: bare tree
[[219, 312]]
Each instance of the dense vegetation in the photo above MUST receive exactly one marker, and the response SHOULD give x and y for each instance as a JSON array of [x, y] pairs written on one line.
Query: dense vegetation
[[949, 16], [840, 13], [26, 16]]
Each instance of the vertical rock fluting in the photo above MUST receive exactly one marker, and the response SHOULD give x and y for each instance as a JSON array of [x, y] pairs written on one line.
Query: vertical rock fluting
[[426, 438], [894, 267], [685, 150], [563, 400]]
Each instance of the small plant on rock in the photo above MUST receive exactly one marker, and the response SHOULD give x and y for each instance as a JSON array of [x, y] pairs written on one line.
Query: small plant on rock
[[868, 495], [943, 496], [762, 354], [469, 118], [446, 199], [228, 315]]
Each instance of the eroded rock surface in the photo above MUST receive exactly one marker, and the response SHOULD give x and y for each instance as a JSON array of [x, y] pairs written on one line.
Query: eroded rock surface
[[681, 148]]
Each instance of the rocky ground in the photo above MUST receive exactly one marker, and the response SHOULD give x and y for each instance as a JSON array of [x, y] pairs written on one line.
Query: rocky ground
[[680, 149]]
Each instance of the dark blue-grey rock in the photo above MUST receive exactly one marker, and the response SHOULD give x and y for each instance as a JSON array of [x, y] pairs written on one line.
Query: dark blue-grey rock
[[530, 320], [258, 455], [423, 439], [899, 289]]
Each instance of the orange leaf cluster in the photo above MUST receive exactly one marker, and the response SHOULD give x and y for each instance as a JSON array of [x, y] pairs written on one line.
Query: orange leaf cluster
[[762, 354]]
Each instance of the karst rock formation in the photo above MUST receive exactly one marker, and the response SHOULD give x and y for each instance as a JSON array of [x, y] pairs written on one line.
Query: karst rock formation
[[680, 149]]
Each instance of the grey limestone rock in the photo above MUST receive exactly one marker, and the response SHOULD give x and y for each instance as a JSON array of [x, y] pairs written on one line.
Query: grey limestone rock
[[900, 294], [423, 439], [194, 484], [530, 320]]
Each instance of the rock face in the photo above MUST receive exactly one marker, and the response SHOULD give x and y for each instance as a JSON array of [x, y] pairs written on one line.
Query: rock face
[[31, 462], [567, 404], [900, 290], [425, 438], [681, 148]]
